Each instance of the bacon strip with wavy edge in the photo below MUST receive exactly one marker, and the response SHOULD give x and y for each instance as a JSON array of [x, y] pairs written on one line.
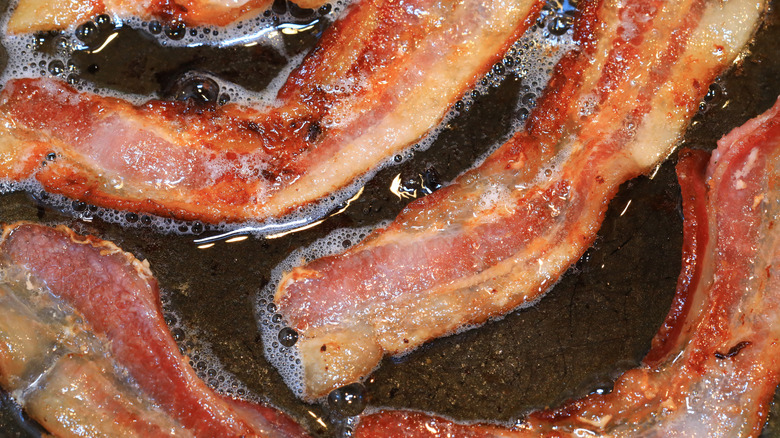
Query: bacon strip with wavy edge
[[47, 15], [84, 347], [380, 78], [503, 233], [712, 369]]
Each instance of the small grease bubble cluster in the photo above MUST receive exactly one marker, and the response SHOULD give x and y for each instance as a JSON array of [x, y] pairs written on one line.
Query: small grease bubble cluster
[[531, 59], [205, 363], [273, 329]]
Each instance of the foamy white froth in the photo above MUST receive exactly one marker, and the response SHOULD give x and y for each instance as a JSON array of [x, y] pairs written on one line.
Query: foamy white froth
[[531, 59], [287, 359]]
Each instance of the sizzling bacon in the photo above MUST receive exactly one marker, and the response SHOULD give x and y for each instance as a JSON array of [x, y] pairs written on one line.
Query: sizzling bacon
[[84, 347], [46, 15], [503, 233], [379, 80], [713, 369]]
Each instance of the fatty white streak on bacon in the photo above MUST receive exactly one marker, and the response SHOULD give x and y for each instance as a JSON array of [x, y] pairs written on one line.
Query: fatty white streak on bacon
[[380, 78], [47, 15], [713, 369], [85, 350], [503, 233]]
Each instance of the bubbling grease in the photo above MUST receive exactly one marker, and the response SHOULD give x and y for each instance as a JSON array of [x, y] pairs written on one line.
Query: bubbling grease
[[531, 59]]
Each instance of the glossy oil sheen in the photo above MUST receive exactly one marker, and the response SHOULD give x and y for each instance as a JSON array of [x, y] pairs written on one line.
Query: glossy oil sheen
[[595, 323]]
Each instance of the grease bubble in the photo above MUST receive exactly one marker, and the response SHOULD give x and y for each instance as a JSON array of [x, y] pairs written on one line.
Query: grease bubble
[[288, 337], [176, 31], [87, 32], [56, 67], [349, 400], [155, 27]]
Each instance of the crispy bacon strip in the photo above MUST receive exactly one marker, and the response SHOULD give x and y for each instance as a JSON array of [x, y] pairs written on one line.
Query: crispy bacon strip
[[713, 369], [379, 80], [46, 15], [84, 347], [503, 233]]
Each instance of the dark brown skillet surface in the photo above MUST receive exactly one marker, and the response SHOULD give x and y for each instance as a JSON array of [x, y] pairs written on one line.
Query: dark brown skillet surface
[[595, 323]]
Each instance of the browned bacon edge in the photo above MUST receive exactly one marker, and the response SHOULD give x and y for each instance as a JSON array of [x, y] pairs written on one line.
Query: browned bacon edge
[[502, 234], [48, 15], [82, 388], [713, 367], [380, 78]]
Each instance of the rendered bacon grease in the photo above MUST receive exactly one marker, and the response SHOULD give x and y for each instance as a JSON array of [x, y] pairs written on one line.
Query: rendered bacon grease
[[45, 15], [381, 77], [502, 234], [85, 350], [712, 370]]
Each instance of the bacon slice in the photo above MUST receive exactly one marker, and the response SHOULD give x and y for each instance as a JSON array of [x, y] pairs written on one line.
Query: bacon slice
[[379, 80], [712, 370], [503, 233], [84, 347], [46, 15]]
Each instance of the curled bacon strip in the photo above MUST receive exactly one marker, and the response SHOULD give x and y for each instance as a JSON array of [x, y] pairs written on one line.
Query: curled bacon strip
[[503, 233], [713, 369], [380, 78], [84, 347], [46, 15]]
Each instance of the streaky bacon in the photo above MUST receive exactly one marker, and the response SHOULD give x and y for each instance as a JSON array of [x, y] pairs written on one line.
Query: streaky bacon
[[84, 347], [503, 233], [48, 15], [380, 78], [712, 369]]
